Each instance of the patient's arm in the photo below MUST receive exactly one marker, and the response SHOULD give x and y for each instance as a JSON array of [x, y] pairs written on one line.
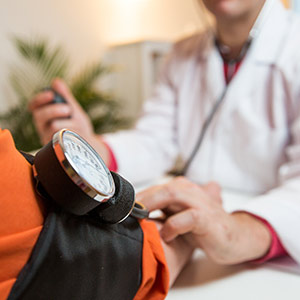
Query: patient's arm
[[177, 252]]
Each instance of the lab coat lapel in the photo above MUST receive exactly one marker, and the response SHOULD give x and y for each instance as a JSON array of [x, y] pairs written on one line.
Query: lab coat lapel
[[270, 34], [264, 49]]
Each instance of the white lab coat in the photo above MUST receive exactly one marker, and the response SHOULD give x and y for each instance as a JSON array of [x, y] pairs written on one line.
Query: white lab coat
[[252, 144]]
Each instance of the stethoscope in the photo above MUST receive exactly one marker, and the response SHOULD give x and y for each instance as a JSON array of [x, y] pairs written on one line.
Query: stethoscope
[[215, 108], [208, 121]]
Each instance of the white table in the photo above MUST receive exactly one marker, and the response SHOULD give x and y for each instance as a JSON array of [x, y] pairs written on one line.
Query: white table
[[202, 279]]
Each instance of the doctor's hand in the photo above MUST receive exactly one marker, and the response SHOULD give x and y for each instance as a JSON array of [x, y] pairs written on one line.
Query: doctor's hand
[[49, 118], [196, 213]]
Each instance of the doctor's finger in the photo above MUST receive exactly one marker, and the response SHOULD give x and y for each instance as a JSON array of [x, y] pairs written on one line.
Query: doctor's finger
[[44, 115], [60, 123], [60, 86], [179, 191], [40, 99], [169, 195], [151, 196], [179, 224]]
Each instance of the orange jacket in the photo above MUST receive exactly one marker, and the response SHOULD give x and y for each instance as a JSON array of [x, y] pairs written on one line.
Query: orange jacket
[[22, 216]]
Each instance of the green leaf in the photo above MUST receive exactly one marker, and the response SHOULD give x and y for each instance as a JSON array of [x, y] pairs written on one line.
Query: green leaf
[[40, 63]]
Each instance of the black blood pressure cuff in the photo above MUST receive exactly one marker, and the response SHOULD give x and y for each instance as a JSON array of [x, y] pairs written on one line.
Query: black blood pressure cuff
[[80, 258]]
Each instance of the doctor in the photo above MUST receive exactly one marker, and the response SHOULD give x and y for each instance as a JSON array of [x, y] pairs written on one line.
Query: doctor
[[228, 102]]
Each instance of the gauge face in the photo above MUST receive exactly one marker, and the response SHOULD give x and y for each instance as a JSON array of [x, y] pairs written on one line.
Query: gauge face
[[87, 163]]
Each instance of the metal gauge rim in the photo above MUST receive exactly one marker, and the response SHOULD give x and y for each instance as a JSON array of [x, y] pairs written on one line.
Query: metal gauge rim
[[70, 170]]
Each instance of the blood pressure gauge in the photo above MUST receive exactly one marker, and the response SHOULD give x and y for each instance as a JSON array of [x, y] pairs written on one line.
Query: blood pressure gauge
[[73, 174]]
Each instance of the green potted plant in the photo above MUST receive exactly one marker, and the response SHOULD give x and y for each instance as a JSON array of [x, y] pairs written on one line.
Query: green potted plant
[[40, 64]]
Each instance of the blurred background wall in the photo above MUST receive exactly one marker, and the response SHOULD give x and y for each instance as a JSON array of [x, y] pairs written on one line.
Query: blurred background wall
[[87, 29]]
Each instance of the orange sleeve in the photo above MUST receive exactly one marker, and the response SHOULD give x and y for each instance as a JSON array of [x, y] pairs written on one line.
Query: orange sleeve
[[20, 213], [22, 220], [155, 273]]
